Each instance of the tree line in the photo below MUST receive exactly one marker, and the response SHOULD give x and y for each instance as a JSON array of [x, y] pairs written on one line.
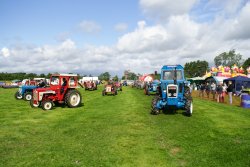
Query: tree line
[[198, 68], [192, 69], [21, 76]]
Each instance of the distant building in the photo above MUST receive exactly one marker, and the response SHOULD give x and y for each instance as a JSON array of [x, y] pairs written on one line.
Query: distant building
[[126, 73]]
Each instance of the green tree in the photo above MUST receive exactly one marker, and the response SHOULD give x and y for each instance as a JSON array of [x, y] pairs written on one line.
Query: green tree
[[228, 59], [42, 75], [246, 64], [132, 76], [195, 68], [115, 78], [104, 76], [48, 75]]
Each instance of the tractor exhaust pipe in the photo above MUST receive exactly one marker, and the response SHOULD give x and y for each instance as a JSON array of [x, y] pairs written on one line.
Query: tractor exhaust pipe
[[175, 76]]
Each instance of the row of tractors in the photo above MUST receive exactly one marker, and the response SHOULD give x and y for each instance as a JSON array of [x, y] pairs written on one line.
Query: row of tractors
[[171, 92]]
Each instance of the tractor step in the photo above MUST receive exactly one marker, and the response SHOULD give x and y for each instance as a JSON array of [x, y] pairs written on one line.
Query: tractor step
[[60, 102]]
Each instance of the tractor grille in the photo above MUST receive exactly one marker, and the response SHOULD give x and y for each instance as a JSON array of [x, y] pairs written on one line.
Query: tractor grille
[[172, 91]]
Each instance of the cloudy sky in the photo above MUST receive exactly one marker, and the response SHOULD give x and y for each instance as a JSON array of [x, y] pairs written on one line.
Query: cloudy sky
[[93, 36]]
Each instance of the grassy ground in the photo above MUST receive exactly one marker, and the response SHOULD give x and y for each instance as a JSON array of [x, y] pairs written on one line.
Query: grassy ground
[[119, 131]]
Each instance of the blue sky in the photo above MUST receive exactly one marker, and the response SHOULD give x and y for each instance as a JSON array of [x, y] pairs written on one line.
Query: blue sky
[[90, 36], [42, 21]]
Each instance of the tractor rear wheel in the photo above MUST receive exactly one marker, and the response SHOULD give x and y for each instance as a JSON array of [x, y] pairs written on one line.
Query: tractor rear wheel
[[73, 98], [34, 105], [155, 111], [47, 105], [18, 96], [154, 101], [188, 103], [189, 108], [28, 96]]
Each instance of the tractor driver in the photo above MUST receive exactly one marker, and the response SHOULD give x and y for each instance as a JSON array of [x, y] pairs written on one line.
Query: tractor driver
[[41, 83], [63, 85], [64, 82]]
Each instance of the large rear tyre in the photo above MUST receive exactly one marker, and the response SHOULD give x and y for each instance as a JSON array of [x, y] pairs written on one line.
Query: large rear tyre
[[188, 103], [155, 111], [34, 105], [28, 96], [18, 96], [73, 98], [47, 105]]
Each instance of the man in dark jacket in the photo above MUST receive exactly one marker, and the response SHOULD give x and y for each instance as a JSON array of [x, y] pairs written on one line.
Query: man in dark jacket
[[41, 83]]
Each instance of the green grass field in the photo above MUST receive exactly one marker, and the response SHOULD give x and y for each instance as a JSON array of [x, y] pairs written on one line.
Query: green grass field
[[119, 131]]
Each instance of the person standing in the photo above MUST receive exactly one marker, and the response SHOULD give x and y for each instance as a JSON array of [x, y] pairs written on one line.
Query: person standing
[[224, 90], [230, 92], [202, 89], [219, 90], [207, 88], [213, 90]]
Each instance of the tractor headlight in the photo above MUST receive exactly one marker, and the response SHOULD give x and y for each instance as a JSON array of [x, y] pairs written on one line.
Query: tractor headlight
[[164, 91]]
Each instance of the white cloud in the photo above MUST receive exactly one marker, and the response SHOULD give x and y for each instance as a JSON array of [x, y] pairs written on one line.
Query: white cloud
[[175, 40], [159, 37], [121, 27], [5, 52], [162, 9], [88, 26], [240, 26]]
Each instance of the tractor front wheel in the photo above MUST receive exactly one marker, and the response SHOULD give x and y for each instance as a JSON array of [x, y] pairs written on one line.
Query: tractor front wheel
[[34, 105], [47, 105], [73, 98], [27, 96], [18, 96]]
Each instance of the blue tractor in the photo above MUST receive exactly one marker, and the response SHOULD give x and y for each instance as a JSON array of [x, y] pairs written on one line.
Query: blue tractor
[[151, 87], [25, 92], [174, 92]]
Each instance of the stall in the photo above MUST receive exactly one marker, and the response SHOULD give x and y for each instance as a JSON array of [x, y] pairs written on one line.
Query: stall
[[239, 83]]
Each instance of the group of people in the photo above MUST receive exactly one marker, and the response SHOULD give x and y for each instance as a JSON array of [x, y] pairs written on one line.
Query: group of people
[[219, 90]]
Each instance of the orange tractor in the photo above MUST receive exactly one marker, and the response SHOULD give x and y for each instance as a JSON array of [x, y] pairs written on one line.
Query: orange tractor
[[90, 85], [110, 88]]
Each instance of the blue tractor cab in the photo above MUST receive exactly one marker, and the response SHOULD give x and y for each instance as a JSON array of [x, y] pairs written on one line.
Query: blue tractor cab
[[174, 92]]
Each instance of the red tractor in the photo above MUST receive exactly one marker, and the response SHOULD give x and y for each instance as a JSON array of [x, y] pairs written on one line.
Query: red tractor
[[118, 86], [109, 89], [90, 85], [62, 90]]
